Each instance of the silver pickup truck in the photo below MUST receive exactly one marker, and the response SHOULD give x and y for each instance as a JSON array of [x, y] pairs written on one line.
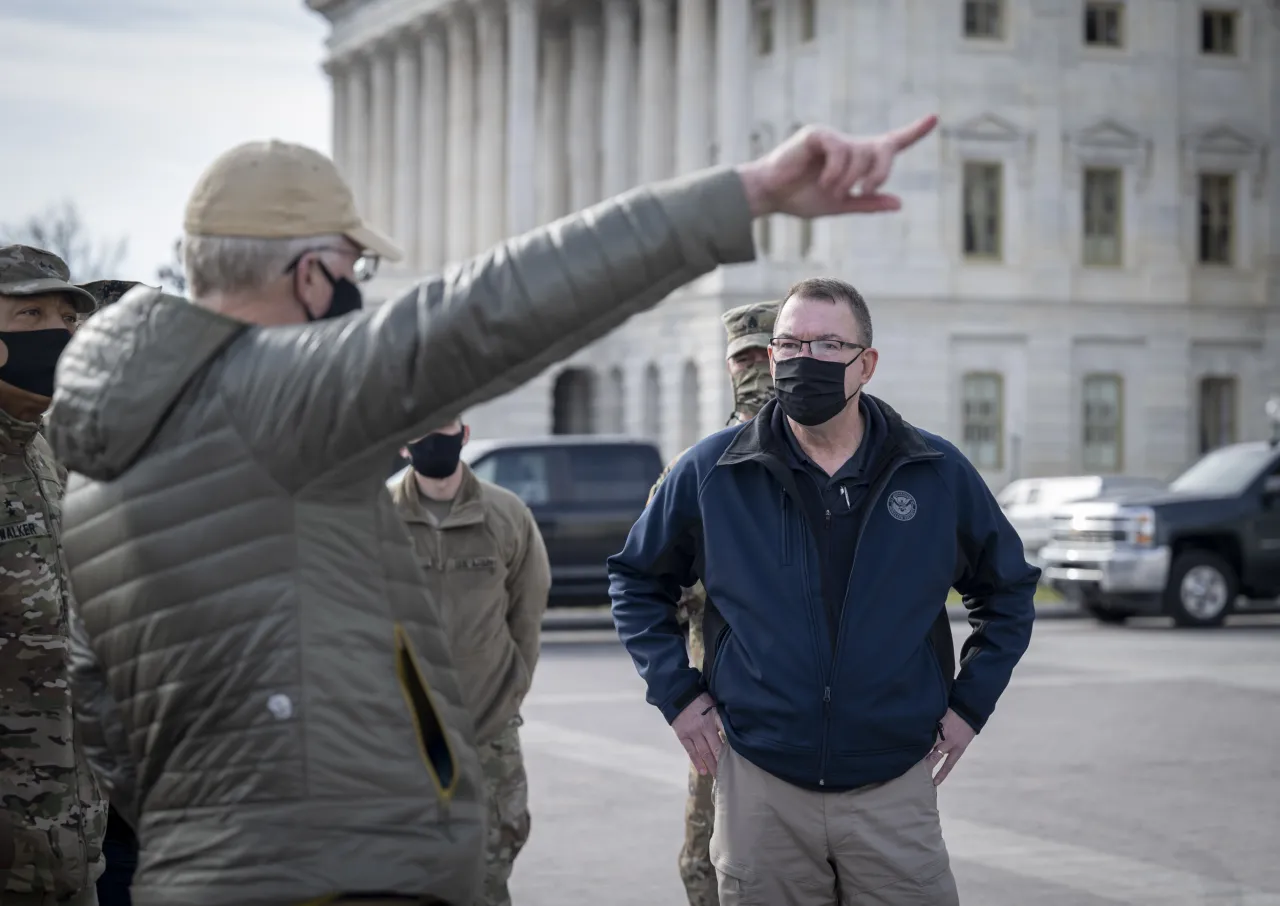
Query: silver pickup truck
[[1195, 552]]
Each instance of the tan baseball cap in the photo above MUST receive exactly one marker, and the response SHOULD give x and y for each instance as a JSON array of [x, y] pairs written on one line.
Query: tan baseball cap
[[279, 190]]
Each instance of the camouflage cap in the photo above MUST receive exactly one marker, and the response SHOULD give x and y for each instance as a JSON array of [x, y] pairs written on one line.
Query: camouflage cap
[[749, 326], [108, 292], [27, 271]]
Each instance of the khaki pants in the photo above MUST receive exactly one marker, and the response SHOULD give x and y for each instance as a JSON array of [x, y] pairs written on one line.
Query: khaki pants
[[778, 845]]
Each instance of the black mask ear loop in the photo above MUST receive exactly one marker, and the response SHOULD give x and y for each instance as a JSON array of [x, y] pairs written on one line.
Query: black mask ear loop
[[296, 271]]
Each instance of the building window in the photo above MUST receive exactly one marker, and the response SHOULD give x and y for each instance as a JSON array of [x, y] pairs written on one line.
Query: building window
[[982, 204], [1217, 412], [616, 389], [983, 417], [764, 236], [806, 237], [1102, 194], [1218, 32], [1103, 423], [1217, 217], [652, 403], [984, 19], [690, 398], [764, 29], [808, 25], [1103, 24], [573, 402]]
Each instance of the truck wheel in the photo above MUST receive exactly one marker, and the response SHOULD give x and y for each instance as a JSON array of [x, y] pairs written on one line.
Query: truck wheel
[[1202, 589], [1104, 614]]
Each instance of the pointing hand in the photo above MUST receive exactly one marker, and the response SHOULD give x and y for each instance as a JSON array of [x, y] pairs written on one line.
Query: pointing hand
[[818, 172]]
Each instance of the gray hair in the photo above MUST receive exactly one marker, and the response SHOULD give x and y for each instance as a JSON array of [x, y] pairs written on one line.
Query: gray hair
[[830, 289], [237, 264]]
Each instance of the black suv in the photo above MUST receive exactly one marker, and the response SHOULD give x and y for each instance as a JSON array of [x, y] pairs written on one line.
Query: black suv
[[585, 493], [1188, 552]]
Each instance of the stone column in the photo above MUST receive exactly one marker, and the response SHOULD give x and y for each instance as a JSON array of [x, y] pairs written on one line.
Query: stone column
[[382, 140], [657, 101], [618, 109], [432, 132], [339, 80], [695, 78], [356, 166], [584, 110], [461, 189], [490, 150], [522, 116], [733, 81], [553, 127], [404, 202]]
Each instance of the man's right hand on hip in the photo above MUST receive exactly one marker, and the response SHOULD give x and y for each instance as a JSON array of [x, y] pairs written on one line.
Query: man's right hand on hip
[[698, 729]]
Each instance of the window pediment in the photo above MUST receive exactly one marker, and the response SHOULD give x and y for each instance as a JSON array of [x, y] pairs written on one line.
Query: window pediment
[[987, 127], [1109, 143], [993, 137], [1227, 148]]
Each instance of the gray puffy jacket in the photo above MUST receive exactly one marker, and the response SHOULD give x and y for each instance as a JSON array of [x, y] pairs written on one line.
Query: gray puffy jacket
[[294, 724]]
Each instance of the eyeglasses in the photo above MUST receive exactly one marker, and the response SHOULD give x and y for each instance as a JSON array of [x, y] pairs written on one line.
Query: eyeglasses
[[827, 350], [365, 267]]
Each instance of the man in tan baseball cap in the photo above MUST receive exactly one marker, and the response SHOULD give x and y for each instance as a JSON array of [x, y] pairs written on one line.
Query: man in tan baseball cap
[[277, 219], [241, 570]]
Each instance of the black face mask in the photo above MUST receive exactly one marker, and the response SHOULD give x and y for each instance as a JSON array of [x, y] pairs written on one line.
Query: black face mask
[[346, 297], [436, 455], [811, 391], [33, 356]]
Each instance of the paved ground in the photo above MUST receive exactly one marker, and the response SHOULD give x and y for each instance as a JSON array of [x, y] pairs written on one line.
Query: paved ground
[[1132, 765]]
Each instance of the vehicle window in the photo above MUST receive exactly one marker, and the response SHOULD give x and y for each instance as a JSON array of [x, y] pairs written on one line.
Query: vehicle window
[[525, 473], [1009, 495], [622, 474], [1069, 490], [1119, 483], [1226, 471]]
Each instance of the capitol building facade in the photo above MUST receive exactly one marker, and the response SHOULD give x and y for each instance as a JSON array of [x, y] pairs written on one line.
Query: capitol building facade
[[1085, 276]]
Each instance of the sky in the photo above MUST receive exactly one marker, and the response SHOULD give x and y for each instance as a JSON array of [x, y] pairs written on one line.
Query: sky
[[118, 105]]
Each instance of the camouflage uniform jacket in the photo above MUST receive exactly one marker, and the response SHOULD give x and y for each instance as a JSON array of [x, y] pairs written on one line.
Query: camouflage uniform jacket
[[52, 813]]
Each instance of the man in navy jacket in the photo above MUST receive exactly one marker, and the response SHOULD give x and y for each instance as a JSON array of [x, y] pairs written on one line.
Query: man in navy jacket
[[827, 533]]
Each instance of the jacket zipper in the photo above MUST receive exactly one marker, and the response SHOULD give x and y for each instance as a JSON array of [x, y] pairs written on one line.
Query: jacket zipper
[[873, 495], [786, 547], [826, 680], [808, 591], [65, 602]]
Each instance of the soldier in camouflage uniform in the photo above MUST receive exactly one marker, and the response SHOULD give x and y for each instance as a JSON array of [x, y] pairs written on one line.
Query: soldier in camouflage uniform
[[52, 813], [750, 327], [484, 561]]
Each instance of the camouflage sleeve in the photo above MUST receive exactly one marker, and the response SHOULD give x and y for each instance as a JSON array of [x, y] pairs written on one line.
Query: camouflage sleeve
[[663, 477], [99, 722]]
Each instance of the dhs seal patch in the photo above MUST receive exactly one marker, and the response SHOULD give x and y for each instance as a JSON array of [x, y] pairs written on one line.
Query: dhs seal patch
[[902, 506]]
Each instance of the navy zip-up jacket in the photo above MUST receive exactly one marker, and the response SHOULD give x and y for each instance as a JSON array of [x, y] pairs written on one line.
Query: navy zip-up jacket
[[820, 710]]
